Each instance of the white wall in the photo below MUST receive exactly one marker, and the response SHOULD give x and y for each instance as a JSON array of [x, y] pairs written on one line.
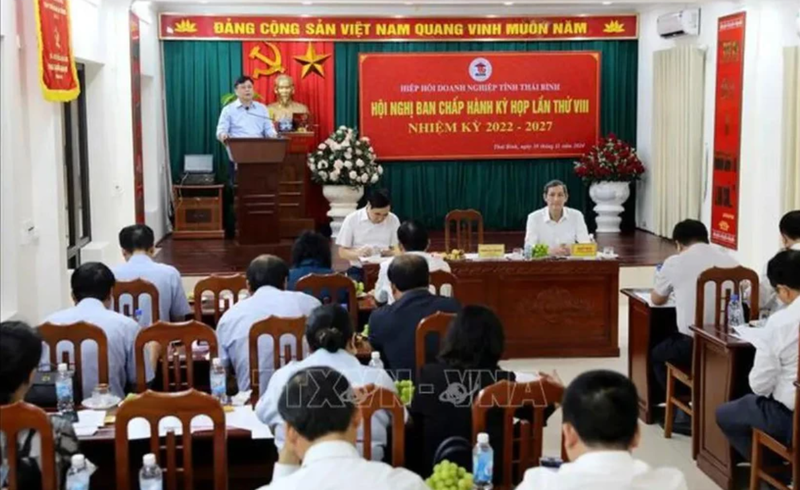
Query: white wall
[[770, 27]]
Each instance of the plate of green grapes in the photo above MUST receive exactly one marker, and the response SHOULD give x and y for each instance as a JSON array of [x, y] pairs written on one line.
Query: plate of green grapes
[[405, 389], [449, 476]]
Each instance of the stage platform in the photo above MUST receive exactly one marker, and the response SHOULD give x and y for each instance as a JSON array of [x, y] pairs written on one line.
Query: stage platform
[[225, 256]]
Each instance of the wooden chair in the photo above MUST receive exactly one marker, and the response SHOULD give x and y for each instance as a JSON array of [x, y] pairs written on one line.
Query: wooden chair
[[791, 454], [136, 289], [372, 398], [169, 335], [275, 327], [511, 396], [463, 220], [76, 334], [719, 276], [440, 279], [185, 406], [19, 418], [217, 285], [438, 323], [326, 287]]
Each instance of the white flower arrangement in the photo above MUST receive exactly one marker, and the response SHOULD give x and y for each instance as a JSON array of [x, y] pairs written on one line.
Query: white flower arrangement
[[344, 159]]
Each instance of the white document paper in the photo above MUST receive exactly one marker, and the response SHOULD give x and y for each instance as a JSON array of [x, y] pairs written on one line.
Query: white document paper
[[526, 377], [91, 418], [751, 335], [245, 418], [240, 418], [644, 295]]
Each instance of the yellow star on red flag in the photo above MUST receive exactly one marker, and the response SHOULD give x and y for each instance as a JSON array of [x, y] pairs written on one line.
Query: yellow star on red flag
[[312, 62]]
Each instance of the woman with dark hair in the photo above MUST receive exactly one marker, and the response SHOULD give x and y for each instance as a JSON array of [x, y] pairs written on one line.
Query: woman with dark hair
[[21, 351], [331, 340], [311, 254]]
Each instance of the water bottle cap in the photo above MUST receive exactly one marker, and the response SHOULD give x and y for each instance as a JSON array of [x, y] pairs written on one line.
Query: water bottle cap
[[735, 297], [137, 312], [62, 368], [78, 461], [375, 355], [483, 438], [149, 459]]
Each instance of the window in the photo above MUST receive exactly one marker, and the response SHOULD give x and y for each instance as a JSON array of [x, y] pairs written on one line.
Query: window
[[76, 175]]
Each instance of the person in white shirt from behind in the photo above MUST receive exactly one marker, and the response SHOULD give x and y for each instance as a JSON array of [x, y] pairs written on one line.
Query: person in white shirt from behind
[[769, 408], [556, 226], [331, 339], [790, 237], [413, 238], [321, 426], [600, 430]]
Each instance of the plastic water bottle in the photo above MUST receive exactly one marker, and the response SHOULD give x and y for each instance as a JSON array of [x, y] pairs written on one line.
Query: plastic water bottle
[[78, 474], [528, 251], [482, 463], [150, 476], [138, 316], [65, 402], [735, 311], [218, 378], [375, 360]]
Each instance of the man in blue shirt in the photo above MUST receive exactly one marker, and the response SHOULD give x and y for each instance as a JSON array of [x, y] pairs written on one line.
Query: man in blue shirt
[[138, 247], [244, 117]]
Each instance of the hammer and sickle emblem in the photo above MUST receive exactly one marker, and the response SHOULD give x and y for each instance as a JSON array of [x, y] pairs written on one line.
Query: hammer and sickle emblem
[[273, 65]]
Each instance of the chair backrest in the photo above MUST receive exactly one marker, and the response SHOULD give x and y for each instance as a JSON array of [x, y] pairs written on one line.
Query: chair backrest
[[511, 396], [463, 220], [135, 289], [275, 327], [444, 279], [326, 288], [734, 277], [184, 406], [796, 415], [372, 398], [173, 335], [438, 323], [218, 285], [77, 333], [19, 418]]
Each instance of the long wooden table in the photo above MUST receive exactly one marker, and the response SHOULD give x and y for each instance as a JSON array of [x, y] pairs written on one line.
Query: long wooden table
[[549, 308]]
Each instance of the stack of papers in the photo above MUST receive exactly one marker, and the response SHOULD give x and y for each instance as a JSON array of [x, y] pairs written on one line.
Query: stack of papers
[[89, 421], [644, 295]]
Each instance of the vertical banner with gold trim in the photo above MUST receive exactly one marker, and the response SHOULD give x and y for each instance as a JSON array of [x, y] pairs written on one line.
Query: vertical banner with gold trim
[[136, 106], [58, 75], [728, 131]]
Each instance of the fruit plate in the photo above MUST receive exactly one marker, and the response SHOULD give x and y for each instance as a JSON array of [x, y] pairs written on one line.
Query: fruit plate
[[104, 403]]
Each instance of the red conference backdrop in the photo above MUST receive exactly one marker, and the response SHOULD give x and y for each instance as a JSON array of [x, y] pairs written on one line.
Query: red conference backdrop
[[444, 106], [728, 131]]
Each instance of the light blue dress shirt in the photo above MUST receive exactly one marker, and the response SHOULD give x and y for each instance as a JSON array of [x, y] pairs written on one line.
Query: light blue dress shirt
[[233, 330], [357, 375], [121, 333], [172, 303], [239, 122]]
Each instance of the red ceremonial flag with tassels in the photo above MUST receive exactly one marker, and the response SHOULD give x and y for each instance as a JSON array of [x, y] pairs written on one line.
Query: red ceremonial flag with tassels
[[310, 64]]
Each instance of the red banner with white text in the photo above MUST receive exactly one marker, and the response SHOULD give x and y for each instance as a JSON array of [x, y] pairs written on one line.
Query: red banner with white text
[[727, 130], [442, 106], [58, 75]]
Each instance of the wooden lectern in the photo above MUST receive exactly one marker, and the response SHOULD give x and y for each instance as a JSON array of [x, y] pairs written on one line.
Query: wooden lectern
[[259, 162]]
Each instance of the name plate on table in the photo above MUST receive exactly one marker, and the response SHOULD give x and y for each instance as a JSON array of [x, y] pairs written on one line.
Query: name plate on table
[[588, 250], [491, 251]]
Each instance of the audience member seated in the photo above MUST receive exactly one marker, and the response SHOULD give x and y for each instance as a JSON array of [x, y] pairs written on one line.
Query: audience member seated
[[600, 430], [311, 254], [392, 327], [20, 351], [468, 362], [138, 247], [91, 290], [331, 338], [774, 371], [266, 281], [413, 238], [790, 237], [371, 230], [679, 275], [321, 426]]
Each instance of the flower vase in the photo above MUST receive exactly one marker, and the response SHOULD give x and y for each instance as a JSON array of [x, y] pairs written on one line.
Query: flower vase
[[343, 200], [609, 198]]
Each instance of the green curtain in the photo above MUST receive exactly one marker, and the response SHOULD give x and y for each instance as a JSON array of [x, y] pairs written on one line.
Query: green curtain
[[504, 191], [196, 74]]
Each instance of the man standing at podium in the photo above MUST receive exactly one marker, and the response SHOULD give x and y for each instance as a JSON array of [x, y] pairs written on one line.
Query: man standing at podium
[[244, 118]]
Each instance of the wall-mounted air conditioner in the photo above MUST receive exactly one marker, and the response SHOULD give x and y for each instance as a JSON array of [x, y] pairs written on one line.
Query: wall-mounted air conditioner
[[683, 23]]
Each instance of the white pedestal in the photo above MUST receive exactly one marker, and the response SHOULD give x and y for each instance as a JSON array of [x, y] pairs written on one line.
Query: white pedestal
[[609, 198], [343, 201]]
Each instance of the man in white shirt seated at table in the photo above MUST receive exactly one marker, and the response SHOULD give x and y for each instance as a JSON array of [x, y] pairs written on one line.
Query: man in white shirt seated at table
[[266, 280], [790, 236], [371, 230], [774, 371], [601, 428], [413, 238], [556, 226], [322, 421], [138, 247], [679, 275]]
